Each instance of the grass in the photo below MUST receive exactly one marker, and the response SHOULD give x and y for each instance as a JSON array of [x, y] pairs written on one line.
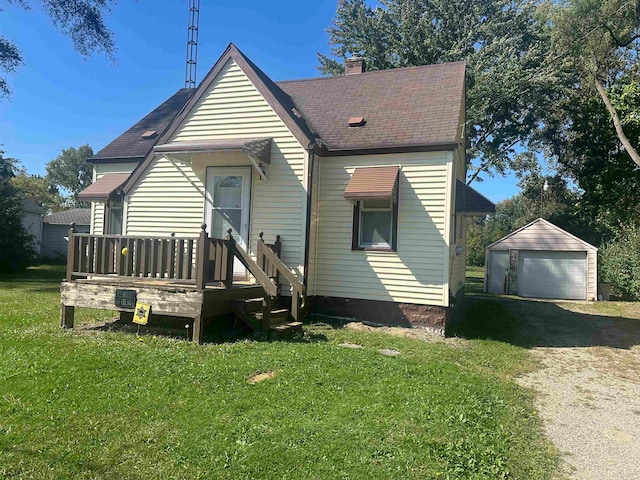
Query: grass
[[108, 405]]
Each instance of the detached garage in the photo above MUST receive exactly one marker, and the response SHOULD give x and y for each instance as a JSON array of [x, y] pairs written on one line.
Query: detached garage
[[543, 261]]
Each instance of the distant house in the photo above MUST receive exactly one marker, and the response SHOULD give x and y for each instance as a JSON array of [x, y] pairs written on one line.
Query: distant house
[[32, 221], [55, 230], [359, 178]]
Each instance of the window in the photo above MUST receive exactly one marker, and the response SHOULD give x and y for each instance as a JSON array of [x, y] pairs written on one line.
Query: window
[[374, 194], [375, 225], [114, 217]]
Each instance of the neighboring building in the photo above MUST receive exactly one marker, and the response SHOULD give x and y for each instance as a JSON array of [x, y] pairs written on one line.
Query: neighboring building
[[362, 175], [55, 230], [32, 214], [542, 260]]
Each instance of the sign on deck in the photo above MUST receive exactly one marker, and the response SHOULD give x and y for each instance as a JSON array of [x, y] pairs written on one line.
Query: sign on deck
[[125, 298]]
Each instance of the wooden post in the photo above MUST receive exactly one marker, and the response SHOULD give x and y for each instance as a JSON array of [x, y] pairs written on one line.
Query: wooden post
[[267, 306], [197, 329], [261, 261], [295, 304], [231, 250], [172, 256], [202, 258], [277, 248], [66, 316], [70, 255]]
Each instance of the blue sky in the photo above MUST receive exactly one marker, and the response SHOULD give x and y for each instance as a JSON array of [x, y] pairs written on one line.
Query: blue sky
[[61, 100]]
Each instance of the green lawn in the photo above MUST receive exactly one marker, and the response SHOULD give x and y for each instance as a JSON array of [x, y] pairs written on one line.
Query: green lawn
[[109, 405]]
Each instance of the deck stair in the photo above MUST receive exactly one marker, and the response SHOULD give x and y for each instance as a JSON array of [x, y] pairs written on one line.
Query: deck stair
[[279, 323]]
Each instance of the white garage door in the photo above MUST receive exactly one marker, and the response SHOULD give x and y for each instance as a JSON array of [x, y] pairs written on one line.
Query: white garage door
[[498, 265], [553, 275]]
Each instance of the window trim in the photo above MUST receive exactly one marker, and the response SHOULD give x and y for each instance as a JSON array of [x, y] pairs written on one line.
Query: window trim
[[357, 228]]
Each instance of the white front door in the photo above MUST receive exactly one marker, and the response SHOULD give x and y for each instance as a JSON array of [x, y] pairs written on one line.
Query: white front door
[[227, 206]]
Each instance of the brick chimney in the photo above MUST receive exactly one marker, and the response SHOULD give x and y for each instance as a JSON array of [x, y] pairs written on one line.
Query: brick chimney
[[354, 65]]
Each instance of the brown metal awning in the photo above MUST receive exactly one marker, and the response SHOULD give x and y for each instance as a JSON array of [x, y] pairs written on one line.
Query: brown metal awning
[[259, 148], [103, 187], [379, 183]]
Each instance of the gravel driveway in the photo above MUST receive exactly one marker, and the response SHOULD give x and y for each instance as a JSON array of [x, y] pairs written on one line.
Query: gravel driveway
[[589, 386]]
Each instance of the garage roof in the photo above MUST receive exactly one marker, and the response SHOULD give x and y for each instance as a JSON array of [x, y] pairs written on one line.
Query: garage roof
[[541, 235]]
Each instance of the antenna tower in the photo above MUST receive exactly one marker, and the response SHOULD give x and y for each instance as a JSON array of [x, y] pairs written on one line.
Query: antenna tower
[[192, 44]]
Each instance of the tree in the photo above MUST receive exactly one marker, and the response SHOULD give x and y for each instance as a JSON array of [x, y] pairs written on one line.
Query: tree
[[38, 189], [600, 40], [82, 20], [510, 86], [71, 172], [16, 245]]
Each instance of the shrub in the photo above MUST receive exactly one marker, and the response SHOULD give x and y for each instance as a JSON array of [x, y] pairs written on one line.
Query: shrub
[[620, 263]]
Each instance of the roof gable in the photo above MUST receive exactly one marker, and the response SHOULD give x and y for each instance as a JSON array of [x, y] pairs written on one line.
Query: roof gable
[[275, 98], [518, 238], [279, 101]]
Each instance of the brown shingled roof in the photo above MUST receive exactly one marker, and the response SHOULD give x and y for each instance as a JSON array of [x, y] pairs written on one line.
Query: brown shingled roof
[[131, 143], [415, 106]]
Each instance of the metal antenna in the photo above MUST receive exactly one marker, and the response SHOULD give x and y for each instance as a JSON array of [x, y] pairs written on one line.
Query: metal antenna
[[192, 44]]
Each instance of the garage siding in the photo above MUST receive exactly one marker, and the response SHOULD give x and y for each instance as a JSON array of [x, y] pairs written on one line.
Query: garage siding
[[541, 235]]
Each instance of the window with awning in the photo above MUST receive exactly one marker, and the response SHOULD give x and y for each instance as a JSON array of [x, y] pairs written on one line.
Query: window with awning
[[374, 192]]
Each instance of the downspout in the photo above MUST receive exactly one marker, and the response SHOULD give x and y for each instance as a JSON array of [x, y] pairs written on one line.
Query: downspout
[[312, 159]]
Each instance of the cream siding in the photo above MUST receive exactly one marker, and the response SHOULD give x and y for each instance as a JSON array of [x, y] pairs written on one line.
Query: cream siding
[[418, 272], [170, 196], [543, 236], [313, 230], [459, 262], [459, 229], [97, 208]]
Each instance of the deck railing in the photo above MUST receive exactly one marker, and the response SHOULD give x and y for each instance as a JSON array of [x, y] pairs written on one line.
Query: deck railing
[[187, 260]]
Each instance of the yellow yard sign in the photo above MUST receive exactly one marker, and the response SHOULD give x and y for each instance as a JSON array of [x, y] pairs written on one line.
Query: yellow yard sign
[[141, 314]]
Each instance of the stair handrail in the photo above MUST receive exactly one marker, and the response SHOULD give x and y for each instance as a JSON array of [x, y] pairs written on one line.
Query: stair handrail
[[250, 264], [298, 290]]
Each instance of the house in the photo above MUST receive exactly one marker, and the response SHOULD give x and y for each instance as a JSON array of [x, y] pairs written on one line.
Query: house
[[32, 214], [356, 181], [542, 260], [55, 230]]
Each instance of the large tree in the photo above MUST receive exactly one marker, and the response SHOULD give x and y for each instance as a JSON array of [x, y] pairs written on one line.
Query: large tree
[[510, 85], [600, 40], [587, 150], [71, 172], [82, 20]]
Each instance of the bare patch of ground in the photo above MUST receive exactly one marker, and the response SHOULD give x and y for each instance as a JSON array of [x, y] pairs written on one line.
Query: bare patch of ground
[[261, 377], [417, 333]]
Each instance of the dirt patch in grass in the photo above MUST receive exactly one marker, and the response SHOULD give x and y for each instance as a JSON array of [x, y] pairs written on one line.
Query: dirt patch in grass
[[415, 333], [261, 377]]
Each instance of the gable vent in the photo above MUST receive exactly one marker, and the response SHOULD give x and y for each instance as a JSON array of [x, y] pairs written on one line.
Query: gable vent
[[357, 122], [149, 134]]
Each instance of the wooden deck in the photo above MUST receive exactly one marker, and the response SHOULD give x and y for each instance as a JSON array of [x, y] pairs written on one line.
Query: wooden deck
[[177, 277]]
